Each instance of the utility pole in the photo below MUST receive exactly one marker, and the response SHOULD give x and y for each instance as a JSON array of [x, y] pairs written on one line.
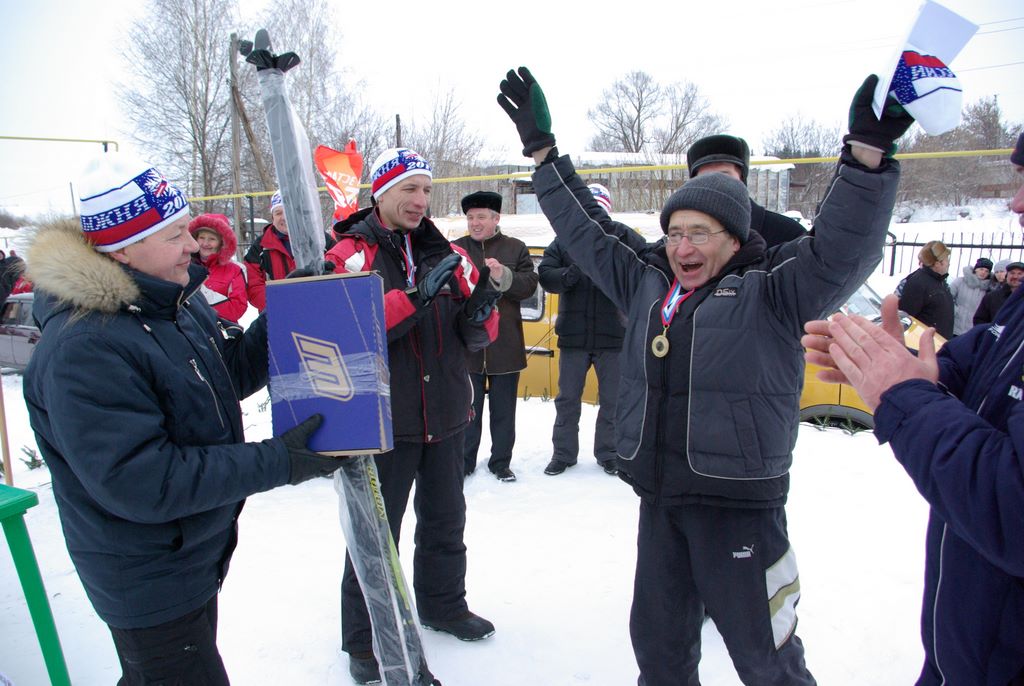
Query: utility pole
[[236, 163], [398, 130]]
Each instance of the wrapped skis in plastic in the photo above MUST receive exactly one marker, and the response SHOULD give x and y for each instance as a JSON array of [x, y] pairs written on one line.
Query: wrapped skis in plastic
[[292, 157], [396, 638], [364, 522]]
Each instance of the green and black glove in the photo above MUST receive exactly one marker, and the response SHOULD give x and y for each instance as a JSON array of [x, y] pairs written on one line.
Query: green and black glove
[[866, 128], [523, 101], [305, 463]]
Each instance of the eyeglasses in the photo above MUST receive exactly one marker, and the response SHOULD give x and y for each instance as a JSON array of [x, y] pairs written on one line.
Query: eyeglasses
[[698, 237]]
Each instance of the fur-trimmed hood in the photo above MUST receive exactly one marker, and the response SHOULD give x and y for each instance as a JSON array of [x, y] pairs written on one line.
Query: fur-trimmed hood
[[62, 263], [972, 280], [219, 224], [66, 268]]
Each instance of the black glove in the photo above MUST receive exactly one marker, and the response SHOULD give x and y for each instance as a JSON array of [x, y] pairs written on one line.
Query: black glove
[[435, 280], [259, 52], [523, 101], [306, 464], [326, 267], [571, 276], [483, 298], [866, 128]]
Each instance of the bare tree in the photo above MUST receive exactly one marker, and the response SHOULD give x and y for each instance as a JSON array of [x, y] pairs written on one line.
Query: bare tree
[[625, 116], [10, 221], [957, 180], [688, 118], [451, 147], [178, 96], [798, 138]]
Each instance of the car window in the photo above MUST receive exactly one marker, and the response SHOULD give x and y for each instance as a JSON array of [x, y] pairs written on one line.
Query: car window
[[25, 315], [10, 315], [532, 309], [864, 302]]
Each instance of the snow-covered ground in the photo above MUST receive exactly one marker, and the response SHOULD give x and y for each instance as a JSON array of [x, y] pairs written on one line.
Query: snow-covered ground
[[550, 563], [550, 558]]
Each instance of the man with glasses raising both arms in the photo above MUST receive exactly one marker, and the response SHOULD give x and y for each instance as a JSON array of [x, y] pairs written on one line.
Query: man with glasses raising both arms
[[713, 343]]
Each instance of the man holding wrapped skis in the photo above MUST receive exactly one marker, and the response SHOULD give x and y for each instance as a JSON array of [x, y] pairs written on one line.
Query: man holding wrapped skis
[[437, 307], [712, 370]]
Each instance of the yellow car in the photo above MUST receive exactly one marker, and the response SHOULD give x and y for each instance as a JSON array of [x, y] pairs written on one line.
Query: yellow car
[[821, 403]]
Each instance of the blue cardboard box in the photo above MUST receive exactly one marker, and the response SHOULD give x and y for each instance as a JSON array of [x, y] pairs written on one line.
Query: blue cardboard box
[[328, 354]]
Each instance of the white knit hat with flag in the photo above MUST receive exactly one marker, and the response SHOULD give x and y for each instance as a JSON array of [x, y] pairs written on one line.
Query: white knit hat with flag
[[124, 199], [393, 165]]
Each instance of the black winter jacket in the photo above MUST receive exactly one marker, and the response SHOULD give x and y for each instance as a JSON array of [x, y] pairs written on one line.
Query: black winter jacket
[[133, 394], [926, 296], [715, 421], [962, 442], [775, 228], [990, 304], [587, 319]]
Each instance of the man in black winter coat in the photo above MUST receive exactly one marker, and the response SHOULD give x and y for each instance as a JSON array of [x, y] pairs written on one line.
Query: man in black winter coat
[[995, 298], [590, 331], [711, 374], [730, 155], [497, 366]]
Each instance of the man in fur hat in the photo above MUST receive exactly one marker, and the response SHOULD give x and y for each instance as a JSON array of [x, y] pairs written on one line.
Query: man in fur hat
[[724, 154], [497, 366]]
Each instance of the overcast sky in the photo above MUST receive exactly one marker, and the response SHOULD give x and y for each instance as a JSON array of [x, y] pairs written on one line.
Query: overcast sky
[[758, 62]]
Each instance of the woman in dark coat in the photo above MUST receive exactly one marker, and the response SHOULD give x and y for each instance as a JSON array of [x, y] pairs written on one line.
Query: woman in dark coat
[[925, 295]]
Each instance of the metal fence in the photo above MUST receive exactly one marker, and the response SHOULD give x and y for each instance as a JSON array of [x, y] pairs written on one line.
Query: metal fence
[[900, 253]]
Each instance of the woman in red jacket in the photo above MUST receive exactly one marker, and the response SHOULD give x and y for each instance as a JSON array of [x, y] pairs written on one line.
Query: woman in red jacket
[[225, 286]]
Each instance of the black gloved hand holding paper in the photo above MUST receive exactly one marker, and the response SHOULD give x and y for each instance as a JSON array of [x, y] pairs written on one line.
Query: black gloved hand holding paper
[[865, 127]]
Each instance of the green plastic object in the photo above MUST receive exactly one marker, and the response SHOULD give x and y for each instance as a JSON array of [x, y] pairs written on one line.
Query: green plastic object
[[13, 504]]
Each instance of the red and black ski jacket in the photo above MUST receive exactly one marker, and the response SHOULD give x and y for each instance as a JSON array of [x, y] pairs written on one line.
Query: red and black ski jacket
[[427, 344], [266, 259]]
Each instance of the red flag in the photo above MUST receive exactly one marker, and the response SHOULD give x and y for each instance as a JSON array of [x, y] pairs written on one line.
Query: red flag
[[341, 171]]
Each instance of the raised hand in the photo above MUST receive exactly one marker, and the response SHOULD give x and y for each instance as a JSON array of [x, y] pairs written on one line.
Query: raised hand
[[524, 102], [866, 128]]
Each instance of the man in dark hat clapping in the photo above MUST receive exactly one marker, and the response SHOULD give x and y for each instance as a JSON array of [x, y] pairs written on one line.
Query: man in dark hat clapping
[[496, 368]]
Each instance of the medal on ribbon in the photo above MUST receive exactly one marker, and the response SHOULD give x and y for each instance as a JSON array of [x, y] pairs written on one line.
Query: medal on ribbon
[[675, 297]]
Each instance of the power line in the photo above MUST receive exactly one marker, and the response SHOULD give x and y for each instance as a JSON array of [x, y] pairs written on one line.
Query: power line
[[991, 66], [986, 33], [1000, 21]]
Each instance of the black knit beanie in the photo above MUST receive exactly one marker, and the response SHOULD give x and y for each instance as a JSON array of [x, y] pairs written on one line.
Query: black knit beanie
[[717, 195]]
